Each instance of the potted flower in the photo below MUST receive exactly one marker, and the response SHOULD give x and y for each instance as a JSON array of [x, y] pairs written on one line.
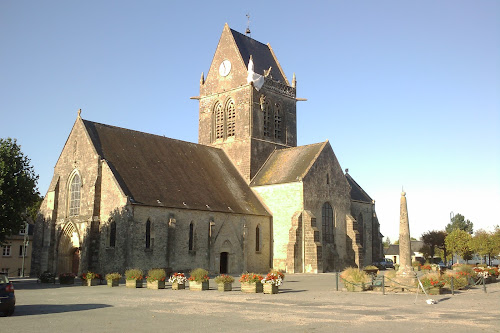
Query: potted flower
[[92, 278], [251, 283], [156, 278], [178, 281], [433, 283], [272, 281], [224, 282], [67, 278], [113, 279], [198, 279], [371, 269], [355, 279], [133, 278], [416, 265], [426, 267], [460, 279]]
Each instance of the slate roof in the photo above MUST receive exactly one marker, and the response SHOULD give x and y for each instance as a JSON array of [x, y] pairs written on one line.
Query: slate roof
[[393, 249], [357, 193], [158, 171], [287, 165], [261, 54]]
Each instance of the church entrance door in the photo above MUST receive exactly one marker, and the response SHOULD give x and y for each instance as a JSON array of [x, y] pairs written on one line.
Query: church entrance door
[[224, 262], [76, 262]]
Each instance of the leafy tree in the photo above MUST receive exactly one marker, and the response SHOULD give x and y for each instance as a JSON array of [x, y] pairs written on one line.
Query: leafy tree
[[482, 244], [17, 187], [387, 242], [434, 239], [496, 240], [459, 222], [458, 242]]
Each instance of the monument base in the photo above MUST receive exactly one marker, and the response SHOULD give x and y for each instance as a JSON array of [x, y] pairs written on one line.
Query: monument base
[[406, 280]]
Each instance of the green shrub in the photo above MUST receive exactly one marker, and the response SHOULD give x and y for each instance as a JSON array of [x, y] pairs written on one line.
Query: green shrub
[[354, 277], [156, 274], [199, 275], [113, 276], [47, 277], [133, 274]]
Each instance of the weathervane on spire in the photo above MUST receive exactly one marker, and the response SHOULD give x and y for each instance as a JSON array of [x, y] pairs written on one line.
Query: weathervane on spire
[[247, 32]]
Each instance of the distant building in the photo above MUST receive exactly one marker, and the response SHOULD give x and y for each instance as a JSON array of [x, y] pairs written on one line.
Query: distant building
[[245, 198], [11, 259], [392, 252]]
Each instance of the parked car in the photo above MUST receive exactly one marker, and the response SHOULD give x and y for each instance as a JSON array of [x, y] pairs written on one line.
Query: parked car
[[384, 263], [7, 297]]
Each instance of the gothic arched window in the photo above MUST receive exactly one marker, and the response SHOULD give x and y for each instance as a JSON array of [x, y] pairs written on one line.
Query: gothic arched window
[[191, 237], [219, 121], [112, 234], [361, 228], [148, 234], [74, 195], [277, 121], [231, 118], [327, 222], [267, 118]]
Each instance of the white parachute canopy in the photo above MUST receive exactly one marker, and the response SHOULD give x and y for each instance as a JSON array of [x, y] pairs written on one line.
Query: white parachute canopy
[[257, 79]]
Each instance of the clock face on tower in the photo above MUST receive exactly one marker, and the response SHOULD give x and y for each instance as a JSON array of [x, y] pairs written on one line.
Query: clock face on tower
[[224, 68]]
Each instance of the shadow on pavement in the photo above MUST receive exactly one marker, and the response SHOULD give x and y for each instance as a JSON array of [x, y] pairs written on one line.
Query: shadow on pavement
[[39, 309]]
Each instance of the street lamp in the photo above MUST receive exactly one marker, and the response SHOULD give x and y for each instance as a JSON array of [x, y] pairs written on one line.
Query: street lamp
[[25, 245]]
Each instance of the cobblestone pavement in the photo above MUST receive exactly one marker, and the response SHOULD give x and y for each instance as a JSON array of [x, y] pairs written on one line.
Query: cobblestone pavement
[[306, 303]]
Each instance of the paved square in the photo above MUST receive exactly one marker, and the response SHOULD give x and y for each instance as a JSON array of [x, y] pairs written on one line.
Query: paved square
[[306, 303]]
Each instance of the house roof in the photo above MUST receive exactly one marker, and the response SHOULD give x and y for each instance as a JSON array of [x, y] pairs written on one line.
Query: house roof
[[262, 55], [287, 165], [158, 171], [415, 246], [357, 193]]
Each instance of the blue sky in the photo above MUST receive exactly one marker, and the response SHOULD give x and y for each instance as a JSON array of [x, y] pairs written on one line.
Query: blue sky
[[408, 93]]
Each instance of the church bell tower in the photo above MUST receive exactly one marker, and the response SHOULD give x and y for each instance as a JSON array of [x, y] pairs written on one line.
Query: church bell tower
[[247, 105]]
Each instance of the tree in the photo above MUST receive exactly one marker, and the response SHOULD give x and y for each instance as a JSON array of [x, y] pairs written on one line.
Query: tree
[[483, 244], [387, 242], [17, 188], [458, 222], [458, 242], [434, 239]]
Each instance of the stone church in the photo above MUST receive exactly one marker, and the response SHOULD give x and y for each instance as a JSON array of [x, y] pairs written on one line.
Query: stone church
[[244, 198]]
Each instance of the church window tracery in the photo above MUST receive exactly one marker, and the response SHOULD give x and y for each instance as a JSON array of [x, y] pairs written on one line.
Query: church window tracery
[[267, 118], [277, 121], [74, 195], [219, 121], [231, 118], [327, 223]]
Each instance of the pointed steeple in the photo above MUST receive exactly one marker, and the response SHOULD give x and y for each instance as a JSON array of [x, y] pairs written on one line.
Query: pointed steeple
[[294, 81]]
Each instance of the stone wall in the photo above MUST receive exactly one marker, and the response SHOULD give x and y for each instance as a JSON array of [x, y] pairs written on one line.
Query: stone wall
[[325, 182], [283, 201]]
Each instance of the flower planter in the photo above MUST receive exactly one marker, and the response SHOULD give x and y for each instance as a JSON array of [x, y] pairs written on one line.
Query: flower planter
[[198, 286], [251, 287], [224, 286], [156, 285], [416, 268], [178, 286], [93, 282], [113, 283], [269, 288], [133, 283], [434, 291]]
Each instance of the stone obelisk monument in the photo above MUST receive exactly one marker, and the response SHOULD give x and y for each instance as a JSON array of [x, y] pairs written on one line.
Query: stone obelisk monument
[[405, 273]]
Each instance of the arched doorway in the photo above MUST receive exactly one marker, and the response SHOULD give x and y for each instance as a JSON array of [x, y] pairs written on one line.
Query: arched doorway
[[68, 250], [224, 256]]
